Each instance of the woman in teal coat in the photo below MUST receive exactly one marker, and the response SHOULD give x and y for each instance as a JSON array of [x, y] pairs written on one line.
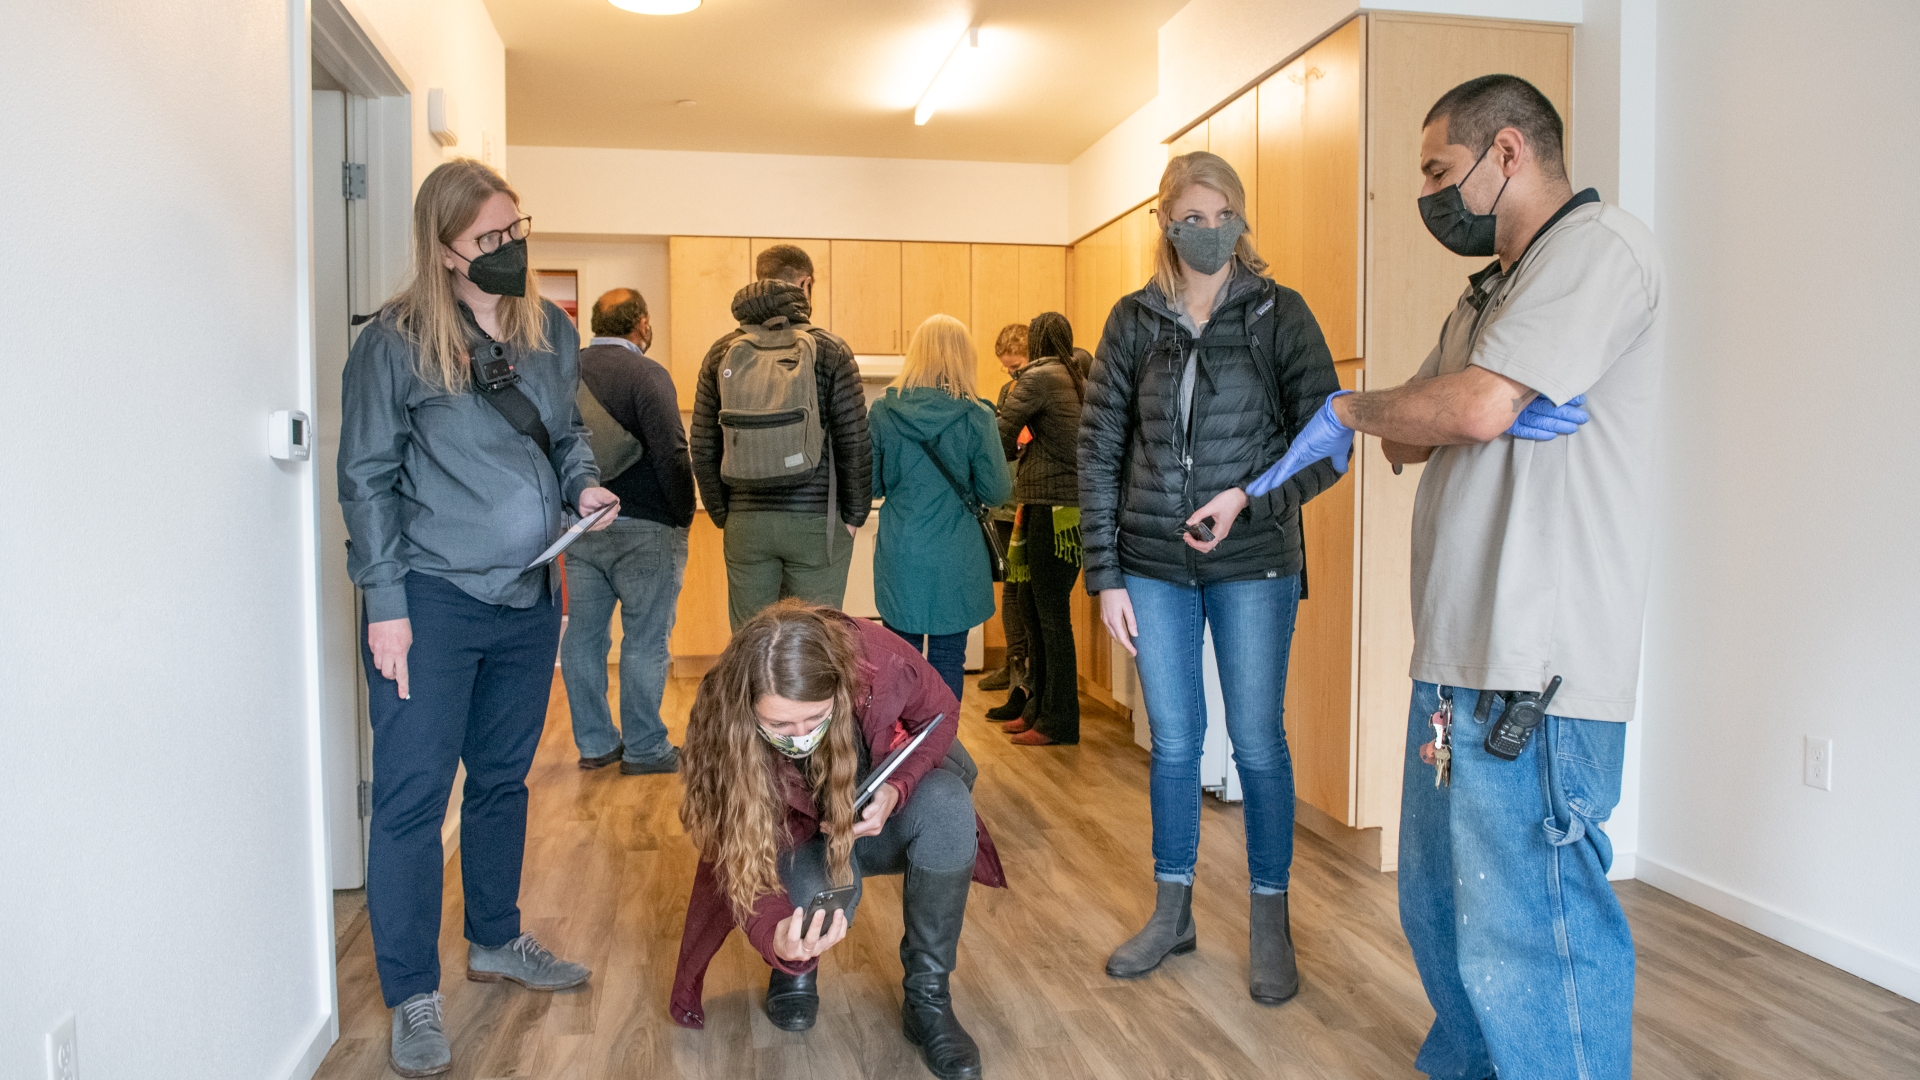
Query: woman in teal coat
[[931, 576]]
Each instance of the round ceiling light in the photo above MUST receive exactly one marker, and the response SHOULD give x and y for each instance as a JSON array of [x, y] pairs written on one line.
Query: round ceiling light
[[656, 7]]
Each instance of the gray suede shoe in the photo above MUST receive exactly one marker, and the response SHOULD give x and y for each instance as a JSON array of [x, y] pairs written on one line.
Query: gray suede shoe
[[525, 961], [1169, 932], [420, 1037]]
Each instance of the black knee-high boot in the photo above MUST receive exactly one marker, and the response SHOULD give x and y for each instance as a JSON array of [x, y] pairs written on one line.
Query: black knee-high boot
[[793, 1001], [934, 907]]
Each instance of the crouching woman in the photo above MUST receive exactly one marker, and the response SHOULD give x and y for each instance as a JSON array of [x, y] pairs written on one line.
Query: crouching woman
[[801, 706]]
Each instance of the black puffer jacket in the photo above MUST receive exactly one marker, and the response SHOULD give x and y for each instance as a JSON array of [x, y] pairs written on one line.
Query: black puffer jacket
[[1042, 397], [843, 412], [1135, 492]]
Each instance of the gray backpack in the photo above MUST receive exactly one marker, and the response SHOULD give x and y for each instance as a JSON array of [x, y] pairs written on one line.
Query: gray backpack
[[615, 450], [770, 431]]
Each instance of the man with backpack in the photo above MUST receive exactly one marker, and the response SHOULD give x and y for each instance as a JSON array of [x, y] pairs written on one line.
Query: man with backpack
[[632, 414], [780, 443]]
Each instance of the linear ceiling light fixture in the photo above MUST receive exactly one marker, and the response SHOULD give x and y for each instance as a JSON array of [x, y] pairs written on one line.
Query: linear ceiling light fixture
[[958, 58], [656, 7]]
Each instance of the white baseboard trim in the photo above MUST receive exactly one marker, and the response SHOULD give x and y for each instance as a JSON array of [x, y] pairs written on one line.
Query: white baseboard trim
[[307, 1061], [1875, 966], [1626, 865]]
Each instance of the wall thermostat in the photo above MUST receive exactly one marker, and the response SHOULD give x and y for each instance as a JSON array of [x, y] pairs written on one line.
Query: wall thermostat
[[290, 437]]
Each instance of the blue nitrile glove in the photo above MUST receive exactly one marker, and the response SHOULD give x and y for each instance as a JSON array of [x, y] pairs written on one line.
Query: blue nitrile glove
[[1323, 437], [1543, 421]]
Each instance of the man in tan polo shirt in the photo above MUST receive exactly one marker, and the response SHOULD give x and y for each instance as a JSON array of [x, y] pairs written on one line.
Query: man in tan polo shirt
[[1531, 542]]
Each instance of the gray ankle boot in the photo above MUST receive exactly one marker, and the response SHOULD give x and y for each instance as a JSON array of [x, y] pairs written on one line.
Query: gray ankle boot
[[1271, 975], [1169, 932], [419, 1037]]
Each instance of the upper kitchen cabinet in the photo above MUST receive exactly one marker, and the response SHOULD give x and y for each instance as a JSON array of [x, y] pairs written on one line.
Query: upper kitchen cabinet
[[866, 295], [703, 273]]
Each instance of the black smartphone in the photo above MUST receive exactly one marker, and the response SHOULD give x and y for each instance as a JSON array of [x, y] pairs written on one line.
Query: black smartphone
[[1200, 531], [829, 901]]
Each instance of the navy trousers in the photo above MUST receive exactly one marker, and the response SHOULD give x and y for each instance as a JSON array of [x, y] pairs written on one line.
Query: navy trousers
[[479, 676]]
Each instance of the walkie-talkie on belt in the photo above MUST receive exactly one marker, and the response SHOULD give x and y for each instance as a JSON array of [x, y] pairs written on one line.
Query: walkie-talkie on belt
[[1523, 713]]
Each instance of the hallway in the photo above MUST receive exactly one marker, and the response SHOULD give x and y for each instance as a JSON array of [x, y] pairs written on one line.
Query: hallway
[[608, 868]]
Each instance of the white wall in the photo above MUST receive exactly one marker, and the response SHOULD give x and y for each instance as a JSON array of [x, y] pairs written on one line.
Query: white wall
[[639, 263], [452, 45], [1786, 595], [603, 192], [1113, 175], [163, 855]]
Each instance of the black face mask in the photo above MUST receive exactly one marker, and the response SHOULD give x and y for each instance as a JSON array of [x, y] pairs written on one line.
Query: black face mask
[[502, 271], [1459, 229]]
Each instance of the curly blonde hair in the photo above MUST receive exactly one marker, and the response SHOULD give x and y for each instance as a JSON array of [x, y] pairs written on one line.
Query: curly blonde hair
[[735, 809]]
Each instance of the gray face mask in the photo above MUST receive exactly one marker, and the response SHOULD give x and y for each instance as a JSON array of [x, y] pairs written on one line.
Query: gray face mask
[[1202, 249]]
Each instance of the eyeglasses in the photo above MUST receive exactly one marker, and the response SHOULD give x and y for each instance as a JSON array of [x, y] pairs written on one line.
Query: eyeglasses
[[489, 242]]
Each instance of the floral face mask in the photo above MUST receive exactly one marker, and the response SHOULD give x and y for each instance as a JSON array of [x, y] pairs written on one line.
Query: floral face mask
[[797, 746]]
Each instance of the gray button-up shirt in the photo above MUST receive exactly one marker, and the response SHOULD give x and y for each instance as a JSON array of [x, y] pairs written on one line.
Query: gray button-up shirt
[[441, 484]]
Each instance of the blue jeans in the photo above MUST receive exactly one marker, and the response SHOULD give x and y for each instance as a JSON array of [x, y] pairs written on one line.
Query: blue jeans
[[479, 675], [1521, 944], [639, 563], [947, 653], [1252, 634]]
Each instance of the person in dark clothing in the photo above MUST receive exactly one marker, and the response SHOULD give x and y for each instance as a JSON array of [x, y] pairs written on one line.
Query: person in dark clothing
[[1200, 380], [1010, 348], [1046, 400], [632, 413], [794, 540]]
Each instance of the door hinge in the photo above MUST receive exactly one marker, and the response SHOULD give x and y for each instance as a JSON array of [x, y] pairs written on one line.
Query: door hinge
[[366, 799], [353, 180]]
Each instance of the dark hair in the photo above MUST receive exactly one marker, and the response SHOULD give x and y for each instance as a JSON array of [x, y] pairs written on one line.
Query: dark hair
[[1477, 110], [1012, 340], [622, 318], [784, 262], [1051, 335]]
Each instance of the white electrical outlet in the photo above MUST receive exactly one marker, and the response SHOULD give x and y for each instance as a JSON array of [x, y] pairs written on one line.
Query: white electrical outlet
[[1817, 770], [63, 1051]]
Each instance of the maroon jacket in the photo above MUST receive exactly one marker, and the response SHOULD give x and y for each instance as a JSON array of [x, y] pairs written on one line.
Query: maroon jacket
[[898, 693]]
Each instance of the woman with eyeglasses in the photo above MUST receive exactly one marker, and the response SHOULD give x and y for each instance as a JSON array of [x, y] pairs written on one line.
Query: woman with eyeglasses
[[1201, 379], [461, 452], [802, 707]]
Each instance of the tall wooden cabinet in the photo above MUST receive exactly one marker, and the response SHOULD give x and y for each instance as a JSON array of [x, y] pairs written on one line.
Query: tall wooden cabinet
[[1334, 160]]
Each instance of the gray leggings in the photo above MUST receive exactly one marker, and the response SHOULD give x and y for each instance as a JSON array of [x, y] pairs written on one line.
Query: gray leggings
[[934, 831]]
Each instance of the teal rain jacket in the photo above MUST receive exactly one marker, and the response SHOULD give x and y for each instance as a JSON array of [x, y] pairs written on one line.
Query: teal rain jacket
[[930, 571]]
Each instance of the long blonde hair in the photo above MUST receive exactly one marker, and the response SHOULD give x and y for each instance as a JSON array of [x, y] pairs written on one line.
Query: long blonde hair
[[735, 809], [941, 356], [1209, 171], [426, 309]]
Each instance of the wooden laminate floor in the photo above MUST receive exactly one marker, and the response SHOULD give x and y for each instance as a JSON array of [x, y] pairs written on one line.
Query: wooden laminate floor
[[608, 868]]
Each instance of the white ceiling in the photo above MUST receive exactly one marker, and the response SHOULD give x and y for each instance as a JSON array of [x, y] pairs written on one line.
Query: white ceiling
[[837, 77]]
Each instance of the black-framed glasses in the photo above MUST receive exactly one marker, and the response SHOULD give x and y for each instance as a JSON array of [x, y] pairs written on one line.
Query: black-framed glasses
[[489, 242]]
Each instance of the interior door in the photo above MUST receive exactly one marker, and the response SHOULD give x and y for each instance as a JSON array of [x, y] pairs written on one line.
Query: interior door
[[340, 707]]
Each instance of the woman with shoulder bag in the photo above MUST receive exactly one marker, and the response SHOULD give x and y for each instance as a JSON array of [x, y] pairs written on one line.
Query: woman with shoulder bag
[[1199, 378], [447, 500], [1045, 401], [804, 703], [936, 457]]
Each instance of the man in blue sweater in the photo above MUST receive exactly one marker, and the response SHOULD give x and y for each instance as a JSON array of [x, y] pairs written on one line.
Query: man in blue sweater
[[632, 413]]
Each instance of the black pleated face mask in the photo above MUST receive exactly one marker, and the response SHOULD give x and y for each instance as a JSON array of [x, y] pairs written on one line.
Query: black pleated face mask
[[502, 271], [1459, 229]]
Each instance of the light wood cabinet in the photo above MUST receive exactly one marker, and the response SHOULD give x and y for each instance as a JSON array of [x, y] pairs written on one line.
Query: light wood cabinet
[[866, 295], [703, 273], [935, 279], [1336, 167], [1011, 284], [821, 252]]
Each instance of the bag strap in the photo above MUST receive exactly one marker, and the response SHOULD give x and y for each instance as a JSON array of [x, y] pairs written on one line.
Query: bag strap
[[967, 500], [520, 411]]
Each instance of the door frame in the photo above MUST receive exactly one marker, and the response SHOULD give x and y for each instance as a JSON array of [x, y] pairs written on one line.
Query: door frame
[[379, 134]]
